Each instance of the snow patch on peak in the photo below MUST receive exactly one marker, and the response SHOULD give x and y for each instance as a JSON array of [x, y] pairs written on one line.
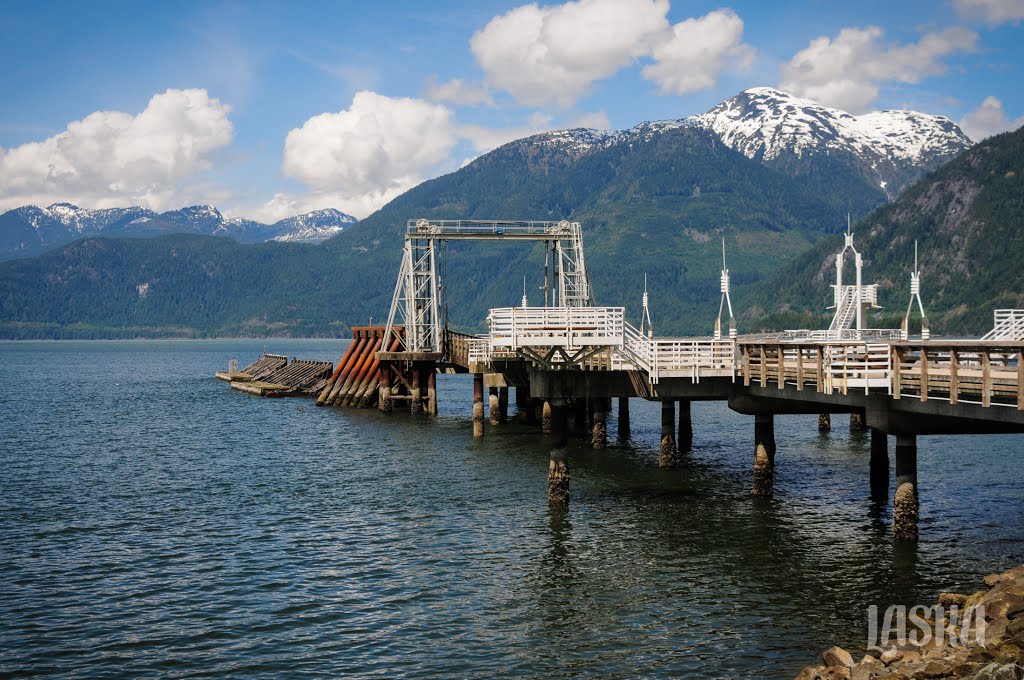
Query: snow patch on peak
[[765, 122], [576, 141]]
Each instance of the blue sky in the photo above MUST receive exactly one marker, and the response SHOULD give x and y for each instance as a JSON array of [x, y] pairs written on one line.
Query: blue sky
[[267, 109]]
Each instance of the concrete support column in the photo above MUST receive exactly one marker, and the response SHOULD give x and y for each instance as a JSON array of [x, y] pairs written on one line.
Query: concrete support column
[[879, 465], [558, 466], [493, 405], [545, 417], [599, 431], [905, 503], [764, 454], [685, 439], [416, 400], [478, 404], [384, 402], [623, 417], [502, 405], [668, 456], [432, 392], [856, 422], [824, 423]]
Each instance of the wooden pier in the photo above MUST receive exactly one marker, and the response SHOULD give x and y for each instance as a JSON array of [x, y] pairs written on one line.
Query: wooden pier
[[569, 359]]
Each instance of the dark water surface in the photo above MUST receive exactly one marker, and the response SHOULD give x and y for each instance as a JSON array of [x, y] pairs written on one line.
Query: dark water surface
[[154, 522]]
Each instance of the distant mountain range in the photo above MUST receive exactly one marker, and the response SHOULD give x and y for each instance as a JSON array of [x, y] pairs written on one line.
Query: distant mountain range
[[771, 174], [30, 230]]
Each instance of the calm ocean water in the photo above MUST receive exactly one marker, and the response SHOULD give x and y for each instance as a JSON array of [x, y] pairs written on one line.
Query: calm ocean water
[[154, 522]]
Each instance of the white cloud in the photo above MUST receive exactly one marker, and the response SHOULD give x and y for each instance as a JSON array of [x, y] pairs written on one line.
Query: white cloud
[[988, 119], [369, 153], [551, 55], [114, 158], [848, 71], [698, 51], [596, 120], [485, 138], [993, 12], [458, 92]]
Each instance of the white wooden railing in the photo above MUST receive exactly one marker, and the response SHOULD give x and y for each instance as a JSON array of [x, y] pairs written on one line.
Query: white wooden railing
[[568, 327], [515, 328], [1008, 325]]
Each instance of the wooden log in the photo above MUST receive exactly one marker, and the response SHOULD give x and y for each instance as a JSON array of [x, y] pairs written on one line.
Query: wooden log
[[954, 378], [820, 377], [897, 375], [799, 368], [986, 378], [924, 374], [1020, 381]]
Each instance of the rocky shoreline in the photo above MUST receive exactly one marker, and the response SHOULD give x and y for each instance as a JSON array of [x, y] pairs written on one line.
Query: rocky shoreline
[[983, 639]]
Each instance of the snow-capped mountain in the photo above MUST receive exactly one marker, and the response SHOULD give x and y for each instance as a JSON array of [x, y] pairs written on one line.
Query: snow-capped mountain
[[893, 146], [313, 227], [889, 148], [30, 230]]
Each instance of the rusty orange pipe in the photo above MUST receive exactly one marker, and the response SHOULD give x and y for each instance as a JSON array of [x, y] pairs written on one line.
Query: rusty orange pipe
[[362, 362], [345, 379], [367, 370], [337, 373], [371, 376]]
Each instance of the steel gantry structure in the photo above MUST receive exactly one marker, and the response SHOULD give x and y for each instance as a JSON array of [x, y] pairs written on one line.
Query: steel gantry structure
[[417, 303]]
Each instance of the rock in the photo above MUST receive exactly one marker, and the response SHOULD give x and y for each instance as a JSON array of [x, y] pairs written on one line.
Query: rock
[[980, 655], [869, 667], [948, 600], [891, 656], [811, 673], [837, 656], [1015, 627], [1016, 609], [911, 656], [995, 671], [933, 669], [837, 673], [999, 604]]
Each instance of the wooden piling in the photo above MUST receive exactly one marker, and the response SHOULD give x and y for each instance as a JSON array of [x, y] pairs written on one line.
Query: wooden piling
[[545, 417], [599, 431], [558, 464], [684, 441], [623, 417], [879, 466], [432, 390], [668, 455], [764, 455], [478, 404], [905, 507], [502, 405], [494, 405], [824, 422], [857, 421], [384, 401], [415, 393]]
